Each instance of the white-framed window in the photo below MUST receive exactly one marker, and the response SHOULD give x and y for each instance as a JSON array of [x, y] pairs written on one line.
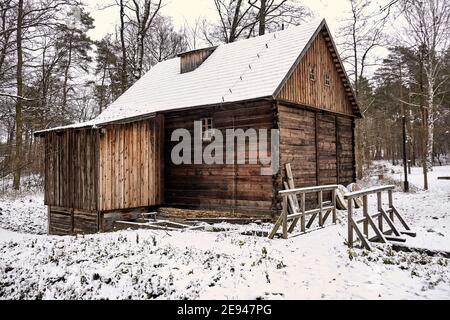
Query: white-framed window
[[207, 126], [327, 80], [312, 72]]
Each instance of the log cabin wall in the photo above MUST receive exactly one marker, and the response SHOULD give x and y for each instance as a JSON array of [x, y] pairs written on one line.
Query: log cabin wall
[[239, 188], [319, 146], [316, 93], [71, 180], [131, 165], [316, 113]]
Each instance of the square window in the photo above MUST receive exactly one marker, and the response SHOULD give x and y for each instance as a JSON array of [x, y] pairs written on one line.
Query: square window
[[312, 72], [327, 80], [207, 127]]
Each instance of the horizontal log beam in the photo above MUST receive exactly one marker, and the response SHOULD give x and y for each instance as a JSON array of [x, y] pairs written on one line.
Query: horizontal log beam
[[361, 193], [308, 190]]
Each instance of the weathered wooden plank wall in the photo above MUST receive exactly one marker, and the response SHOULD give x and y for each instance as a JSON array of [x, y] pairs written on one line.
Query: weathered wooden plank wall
[[346, 155], [71, 177], [300, 89], [298, 144], [71, 162], [220, 186], [327, 152], [131, 164], [319, 146], [192, 60]]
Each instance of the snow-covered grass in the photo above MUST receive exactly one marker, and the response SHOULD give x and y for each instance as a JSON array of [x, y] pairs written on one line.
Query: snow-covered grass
[[29, 184], [147, 264], [23, 213]]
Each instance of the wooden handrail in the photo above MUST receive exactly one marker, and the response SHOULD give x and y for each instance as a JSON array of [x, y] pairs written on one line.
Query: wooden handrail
[[366, 192], [307, 190]]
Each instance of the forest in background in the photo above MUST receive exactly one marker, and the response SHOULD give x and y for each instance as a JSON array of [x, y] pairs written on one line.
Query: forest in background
[[52, 73]]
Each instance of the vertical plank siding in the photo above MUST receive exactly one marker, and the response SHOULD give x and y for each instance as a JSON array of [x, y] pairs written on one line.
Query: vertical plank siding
[[300, 89], [130, 165], [70, 174], [190, 61], [71, 160]]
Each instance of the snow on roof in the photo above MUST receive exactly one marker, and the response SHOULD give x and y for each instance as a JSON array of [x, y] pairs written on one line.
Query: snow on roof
[[242, 70]]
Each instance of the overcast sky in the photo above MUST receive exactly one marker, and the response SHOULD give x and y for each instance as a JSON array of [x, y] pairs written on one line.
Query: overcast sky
[[183, 11]]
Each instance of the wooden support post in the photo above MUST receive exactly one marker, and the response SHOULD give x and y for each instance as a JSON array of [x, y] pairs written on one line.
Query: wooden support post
[[366, 215], [391, 205], [284, 215], [349, 222], [380, 208], [390, 223], [333, 200], [400, 218], [303, 218], [378, 233], [364, 241], [321, 208], [276, 227], [48, 220]]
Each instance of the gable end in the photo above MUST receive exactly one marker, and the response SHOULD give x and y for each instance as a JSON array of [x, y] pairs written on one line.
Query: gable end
[[329, 88]]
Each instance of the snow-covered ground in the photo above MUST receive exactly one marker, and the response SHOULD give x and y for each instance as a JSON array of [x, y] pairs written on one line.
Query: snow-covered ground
[[148, 264], [23, 213]]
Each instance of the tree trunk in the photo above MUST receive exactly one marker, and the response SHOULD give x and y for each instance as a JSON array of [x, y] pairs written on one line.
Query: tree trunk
[[234, 25], [140, 56], [18, 155], [262, 18], [66, 79], [123, 75], [423, 131], [430, 126]]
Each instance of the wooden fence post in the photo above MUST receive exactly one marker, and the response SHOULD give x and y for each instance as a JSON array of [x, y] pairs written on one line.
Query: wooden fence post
[[391, 205], [366, 215], [333, 199], [303, 218], [349, 223], [380, 208], [284, 214], [320, 208]]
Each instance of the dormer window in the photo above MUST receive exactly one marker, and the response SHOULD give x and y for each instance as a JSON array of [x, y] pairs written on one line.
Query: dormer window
[[312, 72], [327, 80], [207, 128]]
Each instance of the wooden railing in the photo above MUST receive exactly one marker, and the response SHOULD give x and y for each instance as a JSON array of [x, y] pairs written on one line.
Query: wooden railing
[[368, 219], [298, 210]]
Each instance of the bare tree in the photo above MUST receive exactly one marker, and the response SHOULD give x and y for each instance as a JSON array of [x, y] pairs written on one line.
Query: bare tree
[[164, 42], [123, 75], [361, 34], [274, 15], [18, 155], [428, 30], [239, 19], [144, 15]]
